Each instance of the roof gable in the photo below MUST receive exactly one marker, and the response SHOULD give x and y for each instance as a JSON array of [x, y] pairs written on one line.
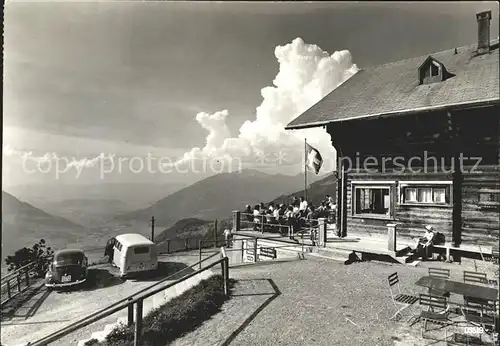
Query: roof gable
[[395, 88]]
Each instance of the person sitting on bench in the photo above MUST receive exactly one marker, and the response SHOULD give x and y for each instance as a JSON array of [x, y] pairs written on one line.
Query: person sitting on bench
[[423, 245]]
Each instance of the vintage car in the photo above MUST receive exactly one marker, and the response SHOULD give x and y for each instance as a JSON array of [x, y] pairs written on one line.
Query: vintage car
[[68, 268]]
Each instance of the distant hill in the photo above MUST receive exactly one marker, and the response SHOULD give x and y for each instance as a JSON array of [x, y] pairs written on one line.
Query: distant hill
[[88, 212], [197, 228], [24, 225], [90, 205], [316, 191], [217, 196]]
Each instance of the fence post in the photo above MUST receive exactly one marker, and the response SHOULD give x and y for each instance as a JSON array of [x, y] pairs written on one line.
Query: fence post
[[391, 236], [138, 323], [8, 288], [186, 243], [18, 283], [225, 275], [237, 221], [262, 224], [243, 248], [168, 245], [216, 227], [130, 319], [27, 278], [255, 250], [199, 245], [322, 233]]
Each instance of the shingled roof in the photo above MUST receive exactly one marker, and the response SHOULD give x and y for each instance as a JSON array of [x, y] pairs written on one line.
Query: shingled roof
[[394, 88]]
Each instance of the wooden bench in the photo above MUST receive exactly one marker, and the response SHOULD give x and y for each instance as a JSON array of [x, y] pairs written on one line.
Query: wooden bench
[[477, 249]]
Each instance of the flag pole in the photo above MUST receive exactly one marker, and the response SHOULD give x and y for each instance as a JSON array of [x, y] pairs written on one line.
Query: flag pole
[[305, 169]]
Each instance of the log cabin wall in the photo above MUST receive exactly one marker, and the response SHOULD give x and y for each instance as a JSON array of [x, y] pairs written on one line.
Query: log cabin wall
[[480, 219], [412, 218], [435, 139]]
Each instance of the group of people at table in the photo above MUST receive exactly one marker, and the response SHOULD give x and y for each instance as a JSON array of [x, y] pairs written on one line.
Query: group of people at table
[[297, 214]]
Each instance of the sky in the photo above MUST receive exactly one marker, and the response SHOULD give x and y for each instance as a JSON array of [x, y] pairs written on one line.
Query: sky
[[88, 83]]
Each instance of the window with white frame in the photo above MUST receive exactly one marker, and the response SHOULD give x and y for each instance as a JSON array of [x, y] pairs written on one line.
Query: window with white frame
[[489, 198], [425, 193], [371, 200]]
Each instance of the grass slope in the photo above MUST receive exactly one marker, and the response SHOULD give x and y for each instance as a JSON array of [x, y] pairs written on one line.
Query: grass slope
[[175, 318]]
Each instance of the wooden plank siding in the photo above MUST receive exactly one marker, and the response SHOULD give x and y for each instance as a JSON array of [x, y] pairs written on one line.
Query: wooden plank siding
[[480, 224], [472, 133], [412, 219]]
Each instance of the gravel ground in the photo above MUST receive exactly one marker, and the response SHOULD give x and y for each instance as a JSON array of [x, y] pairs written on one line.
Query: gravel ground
[[313, 302], [47, 312], [299, 302], [316, 302]]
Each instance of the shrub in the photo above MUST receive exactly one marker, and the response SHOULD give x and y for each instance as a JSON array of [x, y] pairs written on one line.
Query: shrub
[[175, 318], [39, 253]]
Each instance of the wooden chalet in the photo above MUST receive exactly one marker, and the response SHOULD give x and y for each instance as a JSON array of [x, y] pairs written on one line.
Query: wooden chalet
[[418, 142]]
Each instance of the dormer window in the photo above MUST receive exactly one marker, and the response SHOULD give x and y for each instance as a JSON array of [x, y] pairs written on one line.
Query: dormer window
[[432, 71], [435, 69]]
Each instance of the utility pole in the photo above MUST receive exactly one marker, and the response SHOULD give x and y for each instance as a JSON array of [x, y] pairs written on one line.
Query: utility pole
[[153, 229], [215, 232]]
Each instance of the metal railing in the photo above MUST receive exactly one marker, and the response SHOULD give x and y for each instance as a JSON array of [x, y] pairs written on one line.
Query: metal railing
[[137, 299], [170, 246], [252, 245], [18, 281]]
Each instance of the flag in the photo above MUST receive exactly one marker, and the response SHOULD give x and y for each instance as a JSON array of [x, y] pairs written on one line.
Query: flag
[[314, 161]]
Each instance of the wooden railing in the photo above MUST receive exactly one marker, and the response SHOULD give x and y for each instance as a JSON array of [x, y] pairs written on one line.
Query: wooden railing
[[137, 299], [16, 282]]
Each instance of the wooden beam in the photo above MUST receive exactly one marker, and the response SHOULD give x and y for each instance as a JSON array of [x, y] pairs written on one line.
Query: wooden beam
[[457, 180]]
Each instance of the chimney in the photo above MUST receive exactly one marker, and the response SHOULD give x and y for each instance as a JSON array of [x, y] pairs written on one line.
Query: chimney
[[483, 31]]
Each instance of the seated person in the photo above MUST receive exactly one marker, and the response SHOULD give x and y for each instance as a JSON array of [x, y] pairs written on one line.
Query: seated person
[[423, 245], [257, 218], [271, 206], [277, 212], [270, 220]]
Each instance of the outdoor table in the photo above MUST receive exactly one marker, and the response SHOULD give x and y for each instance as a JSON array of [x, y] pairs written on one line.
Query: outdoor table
[[468, 290]]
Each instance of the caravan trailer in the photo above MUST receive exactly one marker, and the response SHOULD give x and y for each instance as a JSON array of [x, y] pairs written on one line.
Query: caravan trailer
[[134, 253]]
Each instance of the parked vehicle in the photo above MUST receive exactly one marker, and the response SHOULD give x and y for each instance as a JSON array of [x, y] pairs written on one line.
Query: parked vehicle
[[134, 253], [68, 268]]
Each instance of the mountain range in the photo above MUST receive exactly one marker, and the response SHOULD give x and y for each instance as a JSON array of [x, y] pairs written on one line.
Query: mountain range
[[186, 212], [92, 205], [217, 196]]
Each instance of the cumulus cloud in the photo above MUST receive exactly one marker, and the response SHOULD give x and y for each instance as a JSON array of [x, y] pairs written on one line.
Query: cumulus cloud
[[306, 74]]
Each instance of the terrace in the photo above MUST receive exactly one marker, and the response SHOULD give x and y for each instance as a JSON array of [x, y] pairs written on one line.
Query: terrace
[[365, 244]]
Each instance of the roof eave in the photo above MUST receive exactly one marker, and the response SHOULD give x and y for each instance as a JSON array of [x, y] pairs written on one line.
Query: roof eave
[[457, 106]]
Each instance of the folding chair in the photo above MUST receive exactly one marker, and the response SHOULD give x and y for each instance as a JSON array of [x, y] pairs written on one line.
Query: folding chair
[[475, 278], [442, 274], [401, 301], [481, 313], [433, 303]]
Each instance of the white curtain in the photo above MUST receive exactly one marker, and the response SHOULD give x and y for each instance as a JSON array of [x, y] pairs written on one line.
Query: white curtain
[[425, 195], [410, 194]]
